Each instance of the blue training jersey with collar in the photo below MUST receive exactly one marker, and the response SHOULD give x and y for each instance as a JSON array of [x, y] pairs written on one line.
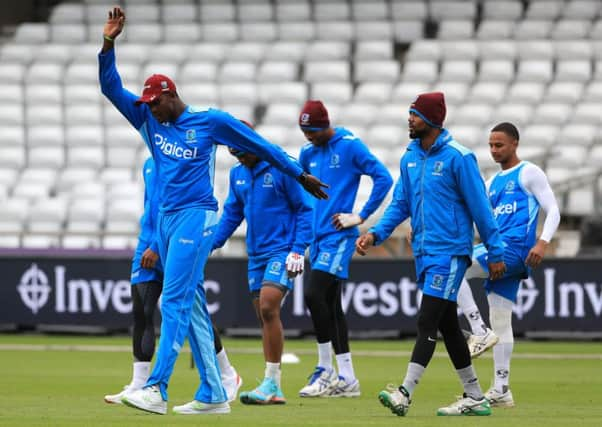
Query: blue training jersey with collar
[[341, 163], [277, 210], [184, 151], [515, 209], [443, 193]]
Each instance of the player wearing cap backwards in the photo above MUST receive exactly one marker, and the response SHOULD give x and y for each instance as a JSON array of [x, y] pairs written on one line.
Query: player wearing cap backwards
[[182, 141], [147, 282], [441, 189], [340, 158], [516, 192], [278, 215]]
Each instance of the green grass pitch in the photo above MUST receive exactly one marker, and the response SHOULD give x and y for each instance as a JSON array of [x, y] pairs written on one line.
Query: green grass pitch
[[61, 381]]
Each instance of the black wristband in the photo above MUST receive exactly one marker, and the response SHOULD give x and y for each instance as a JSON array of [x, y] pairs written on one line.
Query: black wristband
[[302, 178]]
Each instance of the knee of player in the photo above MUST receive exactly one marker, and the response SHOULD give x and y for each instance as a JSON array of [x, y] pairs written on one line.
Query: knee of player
[[269, 312]]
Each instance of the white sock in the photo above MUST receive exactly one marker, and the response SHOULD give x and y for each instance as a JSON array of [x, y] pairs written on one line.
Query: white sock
[[325, 355], [500, 314], [501, 366], [469, 307], [224, 364], [272, 370], [345, 365], [140, 374]]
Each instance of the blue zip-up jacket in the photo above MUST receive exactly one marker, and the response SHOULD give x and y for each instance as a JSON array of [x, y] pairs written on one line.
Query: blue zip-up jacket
[[147, 238], [341, 163], [148, 220], [444, 194], [278, 211], [184, 151]]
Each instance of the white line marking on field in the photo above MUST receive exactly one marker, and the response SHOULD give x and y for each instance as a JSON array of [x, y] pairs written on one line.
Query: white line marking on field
[[258, 350]]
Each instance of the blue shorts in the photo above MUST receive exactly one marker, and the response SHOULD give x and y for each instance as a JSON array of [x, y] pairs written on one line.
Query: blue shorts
[[440, 276], [269, 269], [333, 255], [144, 275], [516, 270]]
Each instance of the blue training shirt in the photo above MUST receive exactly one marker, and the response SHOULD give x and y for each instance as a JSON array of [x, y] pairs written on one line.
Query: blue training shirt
[[184, 151], [516, 210], [277, 210], [443, 192], [341, 163]]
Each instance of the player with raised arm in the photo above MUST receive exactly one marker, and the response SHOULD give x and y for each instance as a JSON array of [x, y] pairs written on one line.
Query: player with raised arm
[[341, 158], [182, 141], [278, 216], [441, 189], [147, 282], [516, 194]]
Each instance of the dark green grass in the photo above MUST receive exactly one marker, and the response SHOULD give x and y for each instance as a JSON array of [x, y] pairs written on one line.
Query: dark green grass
[[65, 388]]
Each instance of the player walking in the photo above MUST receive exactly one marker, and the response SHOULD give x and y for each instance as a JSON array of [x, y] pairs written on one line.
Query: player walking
[[441, 190], [516, 193]]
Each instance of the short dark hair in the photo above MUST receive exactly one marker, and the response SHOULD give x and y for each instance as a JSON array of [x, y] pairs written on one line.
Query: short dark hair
[[508, 128]]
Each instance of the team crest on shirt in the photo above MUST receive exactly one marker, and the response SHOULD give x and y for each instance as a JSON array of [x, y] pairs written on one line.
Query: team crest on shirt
[[324, 258], [335, 160], [268, 180], [509, 188], [437, 282], [275, 267], [438, 168], [191, 135]]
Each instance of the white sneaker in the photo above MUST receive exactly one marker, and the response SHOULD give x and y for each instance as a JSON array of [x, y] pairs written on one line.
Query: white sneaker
[[232, 384], [321, 381], [395, 399], [479, 344], [198, 408], [116, 398], [499, 400], [466, 405], [148, 399], [342, 388]]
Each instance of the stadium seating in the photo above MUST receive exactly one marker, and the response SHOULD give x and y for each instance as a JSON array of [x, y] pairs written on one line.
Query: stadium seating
[[535, 63]]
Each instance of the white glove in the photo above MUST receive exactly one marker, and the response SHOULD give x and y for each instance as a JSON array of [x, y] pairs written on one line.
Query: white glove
[[346, 220], [294, 263]]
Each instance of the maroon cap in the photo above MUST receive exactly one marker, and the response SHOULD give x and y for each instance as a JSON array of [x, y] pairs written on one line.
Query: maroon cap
[[430, 107], [154, 86], [314, 116]]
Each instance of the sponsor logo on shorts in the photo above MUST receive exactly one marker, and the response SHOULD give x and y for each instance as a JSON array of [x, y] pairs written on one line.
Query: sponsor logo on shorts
[[276, 267], [324, 258], [437, 282], [185, 241]]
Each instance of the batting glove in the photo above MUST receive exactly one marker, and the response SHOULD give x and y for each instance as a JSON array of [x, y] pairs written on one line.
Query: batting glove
[[346, 220], [295, 263]]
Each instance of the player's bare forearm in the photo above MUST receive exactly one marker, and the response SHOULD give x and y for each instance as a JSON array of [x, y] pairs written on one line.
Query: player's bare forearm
[[313, 186]]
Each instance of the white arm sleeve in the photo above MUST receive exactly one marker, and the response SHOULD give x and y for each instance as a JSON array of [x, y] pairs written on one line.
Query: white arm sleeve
[[534, 180]]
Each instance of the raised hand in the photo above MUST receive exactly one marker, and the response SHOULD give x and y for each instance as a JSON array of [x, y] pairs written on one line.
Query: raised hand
[[114, 24]]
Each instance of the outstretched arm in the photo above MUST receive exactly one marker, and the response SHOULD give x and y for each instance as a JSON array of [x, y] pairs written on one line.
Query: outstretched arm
[[233, 133], [110, 81]]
